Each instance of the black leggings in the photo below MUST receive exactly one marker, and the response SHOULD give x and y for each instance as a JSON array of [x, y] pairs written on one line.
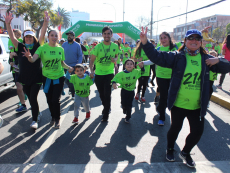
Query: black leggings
[[142, 81], [126, 102], [53, 97], [163, 85], [196, 127], [86, 58], [211, 89], [103, 83], [32, 92]]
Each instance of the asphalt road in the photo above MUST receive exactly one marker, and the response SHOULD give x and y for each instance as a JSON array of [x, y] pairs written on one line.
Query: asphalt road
[[96, 142]]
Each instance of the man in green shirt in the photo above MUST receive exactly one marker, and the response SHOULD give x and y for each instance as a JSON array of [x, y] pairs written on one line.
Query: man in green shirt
[[105, 54]]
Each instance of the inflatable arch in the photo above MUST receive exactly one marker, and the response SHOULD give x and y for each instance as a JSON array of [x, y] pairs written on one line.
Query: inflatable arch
[[91, 26], [86, 35]]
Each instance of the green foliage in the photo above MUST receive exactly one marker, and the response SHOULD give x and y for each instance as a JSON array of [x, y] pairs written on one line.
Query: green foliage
[[66, 17], [218, 33], [228, 29]]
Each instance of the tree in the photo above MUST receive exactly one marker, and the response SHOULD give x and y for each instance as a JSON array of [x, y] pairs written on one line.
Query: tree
[[228, 29], [218, 33], [33, 11], [66, 17], [11, 4], [143, 21]]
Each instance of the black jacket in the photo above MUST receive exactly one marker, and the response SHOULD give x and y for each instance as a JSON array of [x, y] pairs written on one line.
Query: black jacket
[[177, 62]]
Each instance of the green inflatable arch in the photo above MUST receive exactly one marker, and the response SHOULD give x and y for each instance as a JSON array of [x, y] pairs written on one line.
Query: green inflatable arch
[[90, 26]]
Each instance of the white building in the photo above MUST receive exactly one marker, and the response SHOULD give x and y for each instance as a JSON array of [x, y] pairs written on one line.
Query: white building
[[75, 16], [17, 22]]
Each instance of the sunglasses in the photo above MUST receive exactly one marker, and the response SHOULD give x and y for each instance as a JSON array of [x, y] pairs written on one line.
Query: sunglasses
[[194, 38]]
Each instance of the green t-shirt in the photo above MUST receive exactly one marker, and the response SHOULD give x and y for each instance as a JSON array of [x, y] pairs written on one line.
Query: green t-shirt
[[127, 80], [124, 59], [103, 54], [188, 96], [212, 76], [209, 46], [163, 72], [51, 59], [10, 44], [81, 85], [126, 50], [86, 52], [179, 44], [217, 49], [145, 58], [122, 46], [119, 55]]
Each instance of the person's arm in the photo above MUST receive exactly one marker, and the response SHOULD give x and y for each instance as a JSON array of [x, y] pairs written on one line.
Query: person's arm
[[65, 66], [79, 54], [8, 19], [92, 59], [218, 65], [67, 75], [1, 67], [223, 51], [83, 48], [114, 59], [148, 62], [44, 28], [28, 55]]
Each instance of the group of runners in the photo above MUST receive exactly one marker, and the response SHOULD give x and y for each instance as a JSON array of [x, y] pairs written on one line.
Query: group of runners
[[183, 74]]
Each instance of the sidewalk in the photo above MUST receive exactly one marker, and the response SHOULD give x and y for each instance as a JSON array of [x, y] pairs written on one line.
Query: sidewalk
[[222, 96]]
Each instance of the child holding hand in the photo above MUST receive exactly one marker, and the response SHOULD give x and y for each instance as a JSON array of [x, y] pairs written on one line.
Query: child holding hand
[[127, 80], [81, 83]]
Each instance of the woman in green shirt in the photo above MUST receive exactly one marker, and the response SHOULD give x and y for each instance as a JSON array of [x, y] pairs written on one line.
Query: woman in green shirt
[[52, 57]]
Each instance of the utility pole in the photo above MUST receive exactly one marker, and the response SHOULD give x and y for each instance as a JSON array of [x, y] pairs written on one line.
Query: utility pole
[[151, 26]]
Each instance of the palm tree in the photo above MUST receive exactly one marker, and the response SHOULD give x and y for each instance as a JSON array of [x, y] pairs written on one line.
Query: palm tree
[[66, 17]]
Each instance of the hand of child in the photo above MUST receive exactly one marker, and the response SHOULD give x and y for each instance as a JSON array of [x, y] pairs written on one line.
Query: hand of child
[[114, 86], [141, 64], [140, 59], [212, 61], [12, 54], [12, 64], [113, 59], [91, 75], [70, 70]]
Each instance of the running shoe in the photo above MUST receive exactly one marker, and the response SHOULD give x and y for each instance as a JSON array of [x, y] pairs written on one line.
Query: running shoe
[[21, 109], [161, 123], [208, 104], [73, 98], [187, 159], [170, 154], [156, 99], [87, 115], [75, 120], [57, 124], [137, 96], [143, 99], [19, 104], [52, 122], [39, 117], [34, 125], [219, 86], [126, 121], [63, 92]]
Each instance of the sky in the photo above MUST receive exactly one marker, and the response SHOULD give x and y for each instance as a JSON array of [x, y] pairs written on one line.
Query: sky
[[136, 8]]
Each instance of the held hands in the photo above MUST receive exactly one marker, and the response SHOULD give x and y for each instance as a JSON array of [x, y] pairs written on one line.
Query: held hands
[[91, 75], [70, 70], [8, 18], [141, 64], [113, 59], [143, 36], [114, 86], [212, 61]]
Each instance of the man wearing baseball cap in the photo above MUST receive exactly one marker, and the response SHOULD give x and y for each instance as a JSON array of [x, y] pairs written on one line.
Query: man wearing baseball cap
[[73, 56]]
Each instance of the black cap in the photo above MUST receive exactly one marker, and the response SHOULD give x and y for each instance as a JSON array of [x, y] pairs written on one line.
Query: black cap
[[70, 32]]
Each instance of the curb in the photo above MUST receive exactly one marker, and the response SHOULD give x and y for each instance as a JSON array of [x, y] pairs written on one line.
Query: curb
[[222, 101]]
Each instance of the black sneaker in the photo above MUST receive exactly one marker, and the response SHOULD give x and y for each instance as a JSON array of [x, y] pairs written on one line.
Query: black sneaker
[[187, 158], [170, 154], [104, 119], [157, 98], [52, 122], [57, 124]]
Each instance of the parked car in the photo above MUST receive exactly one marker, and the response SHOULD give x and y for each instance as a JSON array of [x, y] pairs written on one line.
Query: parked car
[[6, 78]]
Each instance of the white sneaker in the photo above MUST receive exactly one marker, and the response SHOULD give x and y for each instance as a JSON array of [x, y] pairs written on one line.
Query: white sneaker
[[34, 125], [39, 117], [73, 98], [208, 104]]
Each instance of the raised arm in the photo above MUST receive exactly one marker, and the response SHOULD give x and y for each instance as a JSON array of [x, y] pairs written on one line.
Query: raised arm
[[44, 28], [8, 19], [28, 55]]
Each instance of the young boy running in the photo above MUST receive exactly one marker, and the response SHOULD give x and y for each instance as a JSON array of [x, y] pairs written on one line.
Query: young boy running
[[127, 80], [81, 83]]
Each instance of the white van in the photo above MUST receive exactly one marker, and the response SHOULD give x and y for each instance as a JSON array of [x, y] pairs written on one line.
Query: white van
[[6, 77]]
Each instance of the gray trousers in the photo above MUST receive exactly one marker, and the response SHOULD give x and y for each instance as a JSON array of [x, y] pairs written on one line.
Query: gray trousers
[[77, 102]]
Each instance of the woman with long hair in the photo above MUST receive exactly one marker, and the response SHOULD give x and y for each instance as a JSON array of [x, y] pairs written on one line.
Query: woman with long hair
[[226, 53], [30, 75], [52, 57], [143, 80], [163, 76], [189, 88]]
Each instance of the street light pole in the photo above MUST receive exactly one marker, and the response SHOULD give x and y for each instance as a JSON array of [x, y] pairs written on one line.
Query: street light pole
[[157, 21], [151, 26], [113, 8]]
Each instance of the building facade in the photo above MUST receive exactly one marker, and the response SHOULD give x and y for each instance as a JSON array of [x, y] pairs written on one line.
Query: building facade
[[215, 21]]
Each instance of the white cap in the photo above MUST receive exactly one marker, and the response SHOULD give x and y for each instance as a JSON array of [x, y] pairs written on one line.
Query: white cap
[[29, 33], [62, 39]]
